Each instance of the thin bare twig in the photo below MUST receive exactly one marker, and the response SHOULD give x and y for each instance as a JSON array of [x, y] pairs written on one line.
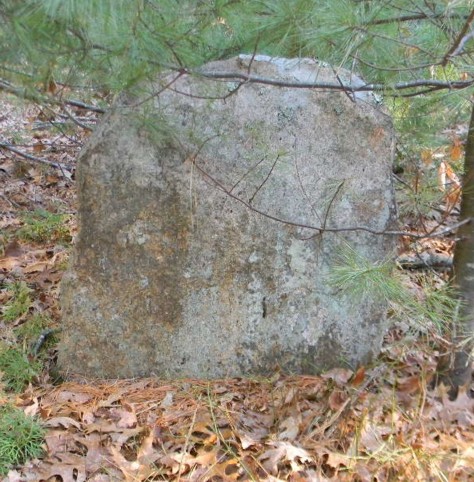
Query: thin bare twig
[[333, 198], [265, 180], [39, 97], [254, 53], [256, 79], [303, 190], [410, 18], [165, 87], [461, 39], [397, 68], [320, 229], [395, 40], [82, 105], [13, 203], [29, 157], [247, 173], [349, 94], [77, 121]]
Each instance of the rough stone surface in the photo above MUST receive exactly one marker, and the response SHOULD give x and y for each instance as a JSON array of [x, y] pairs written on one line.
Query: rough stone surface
[[173, 276]]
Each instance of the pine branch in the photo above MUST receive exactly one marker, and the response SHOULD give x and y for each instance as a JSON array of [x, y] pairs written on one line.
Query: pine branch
[[417, 16], [348, 87], [82, 105]]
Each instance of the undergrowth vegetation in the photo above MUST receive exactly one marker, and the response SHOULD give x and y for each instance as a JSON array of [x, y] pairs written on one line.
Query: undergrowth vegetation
[[16, 368], [41, 226], [21, 438], [381, 420], [19, 302], [384, 421]]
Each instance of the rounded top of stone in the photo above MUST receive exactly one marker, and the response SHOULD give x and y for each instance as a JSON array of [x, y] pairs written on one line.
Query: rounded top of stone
[[282, 62]]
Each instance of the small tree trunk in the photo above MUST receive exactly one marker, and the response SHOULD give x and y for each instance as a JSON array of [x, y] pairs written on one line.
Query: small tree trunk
[[455, 369]]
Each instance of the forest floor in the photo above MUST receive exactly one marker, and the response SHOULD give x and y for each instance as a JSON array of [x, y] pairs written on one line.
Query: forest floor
[[382, 422]]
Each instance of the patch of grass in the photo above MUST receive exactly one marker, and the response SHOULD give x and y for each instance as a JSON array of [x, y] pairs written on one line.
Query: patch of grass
[[41, 226], [19, 303], [16, 370], [21, 438]]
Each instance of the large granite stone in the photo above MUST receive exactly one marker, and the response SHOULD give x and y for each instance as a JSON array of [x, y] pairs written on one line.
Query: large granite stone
[[182, 268]]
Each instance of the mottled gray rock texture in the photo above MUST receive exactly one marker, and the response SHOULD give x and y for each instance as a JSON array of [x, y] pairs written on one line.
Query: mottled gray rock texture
[[181, 267]]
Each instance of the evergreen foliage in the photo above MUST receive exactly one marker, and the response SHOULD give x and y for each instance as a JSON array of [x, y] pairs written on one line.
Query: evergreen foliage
[[112, 45], [117, 42], [429, 311]]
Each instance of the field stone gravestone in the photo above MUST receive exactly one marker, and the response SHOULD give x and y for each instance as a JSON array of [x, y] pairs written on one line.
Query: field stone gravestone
[[182, 268]]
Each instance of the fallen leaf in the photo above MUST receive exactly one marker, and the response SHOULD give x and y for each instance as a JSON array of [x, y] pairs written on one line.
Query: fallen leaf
[[290, 395], [409, 385], [104, 477], [147, 454], [65, 422], [337, 399], [358, 377], [59, 441], [204, 457], [284, 452], [32, 409], [456, 149], [248, 440], [39, 147], [227, 470], [78, 397], [291, 428], [13, 249], [98, 453], [449, 183], [336, 459], [132, 471], [427, 156], [13, 476], [70, 467], [340, 375], [124, 416], [103, 426], [35, 267], [371, 438], [9, 263]]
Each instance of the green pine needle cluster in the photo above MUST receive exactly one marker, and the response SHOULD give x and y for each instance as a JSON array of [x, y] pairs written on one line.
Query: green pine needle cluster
[[361, 278], [21, 438]]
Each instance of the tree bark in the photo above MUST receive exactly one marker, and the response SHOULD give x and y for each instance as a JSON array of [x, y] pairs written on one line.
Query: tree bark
[[455, 369]]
